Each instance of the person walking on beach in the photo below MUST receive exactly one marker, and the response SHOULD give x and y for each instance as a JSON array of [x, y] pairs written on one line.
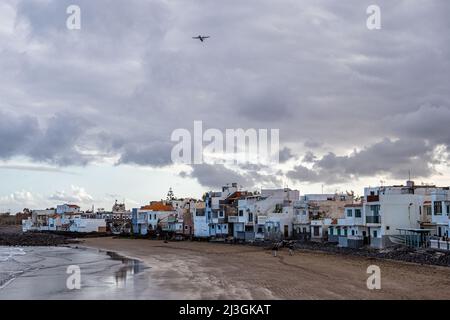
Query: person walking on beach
[[291, 248], [275, 249]]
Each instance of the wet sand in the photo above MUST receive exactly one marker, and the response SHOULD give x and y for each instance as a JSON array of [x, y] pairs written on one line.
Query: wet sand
[[199, 270], [40, 273]]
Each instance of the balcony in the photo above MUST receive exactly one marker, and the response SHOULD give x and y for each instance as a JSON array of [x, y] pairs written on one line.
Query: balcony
[[373, 198], [219, 220], [373, 219], [261, 219], [233, 219]]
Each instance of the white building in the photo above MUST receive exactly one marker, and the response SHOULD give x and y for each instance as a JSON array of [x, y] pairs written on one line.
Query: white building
[[319, 229], [152, 217], [351, 229], [210, 222], [267, 214], [67, 208], [388, 209], [440, 210]]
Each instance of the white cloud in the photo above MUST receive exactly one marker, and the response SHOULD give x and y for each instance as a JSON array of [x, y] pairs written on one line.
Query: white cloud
[[76, 195], [18, 199]]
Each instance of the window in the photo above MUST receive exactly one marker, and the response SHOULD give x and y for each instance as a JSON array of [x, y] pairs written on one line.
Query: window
[[375, 210], [241, 213], [349, 212], [427, 210], [375, 233], [221, 214], [388, 228], [200, 212], [331, 231], [250, 217], [353, 232], [357, 213], [186, 227], [218, 227], [437, 207], [260, 230]]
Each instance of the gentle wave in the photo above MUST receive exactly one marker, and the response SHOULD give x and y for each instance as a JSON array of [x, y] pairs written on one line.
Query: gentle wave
[[8, 253]]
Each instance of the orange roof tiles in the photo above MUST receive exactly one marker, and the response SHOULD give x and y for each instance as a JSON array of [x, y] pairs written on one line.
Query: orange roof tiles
[[158, 206]]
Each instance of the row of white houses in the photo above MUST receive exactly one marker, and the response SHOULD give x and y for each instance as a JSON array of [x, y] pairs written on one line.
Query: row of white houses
[[65, 218], [384, 216], [415, 215]]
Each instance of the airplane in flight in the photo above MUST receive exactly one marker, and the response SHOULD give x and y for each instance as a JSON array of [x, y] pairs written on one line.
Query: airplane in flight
[[201, 38]]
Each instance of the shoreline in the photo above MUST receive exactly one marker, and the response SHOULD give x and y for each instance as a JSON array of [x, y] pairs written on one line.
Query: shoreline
[[12, 236], [41, 274]]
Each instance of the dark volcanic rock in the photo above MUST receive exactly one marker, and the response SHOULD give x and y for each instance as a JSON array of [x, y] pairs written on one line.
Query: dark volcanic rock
[[399, 253], [15, 237]]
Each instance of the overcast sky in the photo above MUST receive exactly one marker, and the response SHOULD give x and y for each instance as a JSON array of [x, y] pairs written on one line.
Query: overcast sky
[[86, 115]]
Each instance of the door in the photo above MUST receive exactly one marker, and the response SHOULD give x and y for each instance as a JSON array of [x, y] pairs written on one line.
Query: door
[[286, 231], [365, 238], [316, 231]]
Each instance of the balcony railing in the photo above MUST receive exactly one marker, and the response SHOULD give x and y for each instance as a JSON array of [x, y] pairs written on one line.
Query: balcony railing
[[373, 198], [373, 219], [261, 219]]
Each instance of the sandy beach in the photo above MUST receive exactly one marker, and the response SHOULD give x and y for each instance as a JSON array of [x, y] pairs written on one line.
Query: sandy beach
[[200, 270]]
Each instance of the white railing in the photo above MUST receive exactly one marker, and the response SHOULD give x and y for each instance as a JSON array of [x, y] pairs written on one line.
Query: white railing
[[261, 219], [440, 244]]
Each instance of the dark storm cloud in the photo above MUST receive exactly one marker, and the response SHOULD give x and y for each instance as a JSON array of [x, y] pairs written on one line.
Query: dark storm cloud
[[56, 143], [215, 176], [309, 157], [426, 122], [394, 158], [286, 155], [312, 69], [16, 133], [156, 154]]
